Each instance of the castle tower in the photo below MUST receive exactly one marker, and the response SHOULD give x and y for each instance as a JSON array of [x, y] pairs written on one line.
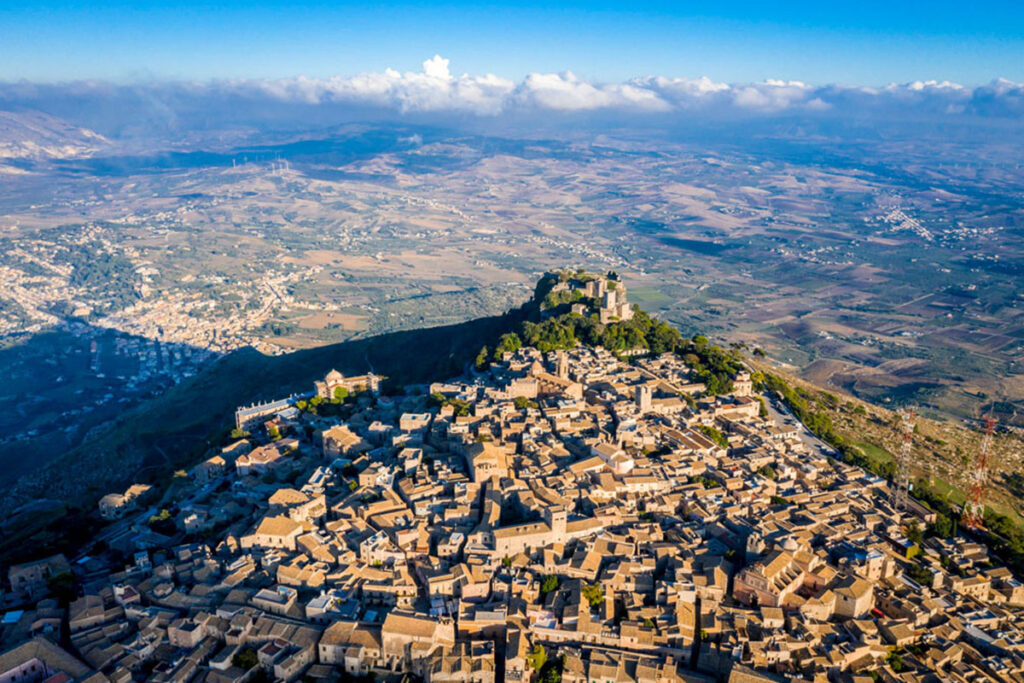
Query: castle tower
[[644, 396], [562, 364], [755, 546], [556, 518], [742, 385]]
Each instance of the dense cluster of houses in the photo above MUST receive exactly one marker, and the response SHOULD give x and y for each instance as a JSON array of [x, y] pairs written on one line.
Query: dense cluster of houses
[[568, 510]]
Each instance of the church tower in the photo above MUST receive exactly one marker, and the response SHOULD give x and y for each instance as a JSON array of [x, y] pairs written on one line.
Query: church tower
[[644, 398]]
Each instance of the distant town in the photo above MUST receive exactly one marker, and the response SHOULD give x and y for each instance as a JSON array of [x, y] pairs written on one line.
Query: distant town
[[563, 511]]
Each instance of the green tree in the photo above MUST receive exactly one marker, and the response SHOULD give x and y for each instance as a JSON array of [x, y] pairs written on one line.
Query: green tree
[[920, 574], [895, 660], [706, 481], [715, 435], [594, 594], [508, 342], [162, 523], [549, 584], [340, 393], [462, 408], [551, 672], [914, 533], [62, 586], [943, 526], [482, 359], [245, 658], [538, 657], [522, 403]]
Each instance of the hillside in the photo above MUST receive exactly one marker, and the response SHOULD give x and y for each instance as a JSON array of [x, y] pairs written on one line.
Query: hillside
[[162, 434], [153, 439], [869, 436], [33, 135], [159, 435]]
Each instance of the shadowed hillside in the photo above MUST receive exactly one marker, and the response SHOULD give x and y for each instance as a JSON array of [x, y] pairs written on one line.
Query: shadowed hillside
[[164, 433]]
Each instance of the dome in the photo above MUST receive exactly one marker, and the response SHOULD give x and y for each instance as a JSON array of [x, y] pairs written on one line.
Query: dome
[[790, 544], [334, 376]]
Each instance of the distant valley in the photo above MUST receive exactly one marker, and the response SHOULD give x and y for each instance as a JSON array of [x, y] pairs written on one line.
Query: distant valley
[[886, 269]]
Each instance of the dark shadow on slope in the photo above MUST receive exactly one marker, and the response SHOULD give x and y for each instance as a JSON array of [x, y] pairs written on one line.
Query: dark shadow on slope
[[61, 383], [170, 431]]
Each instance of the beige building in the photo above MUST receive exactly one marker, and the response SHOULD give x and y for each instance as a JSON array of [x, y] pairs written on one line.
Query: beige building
[[351, 645], [486, 460], [768, 583], [509, 541], [334, 380], [298, 505], [274, 532], [340, 441], [408, 637], [114, 505], [854, 597], [32, 577]]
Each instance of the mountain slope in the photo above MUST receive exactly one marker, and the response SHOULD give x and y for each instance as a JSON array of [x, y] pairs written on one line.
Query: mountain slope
[[37, 136], [162, 434]]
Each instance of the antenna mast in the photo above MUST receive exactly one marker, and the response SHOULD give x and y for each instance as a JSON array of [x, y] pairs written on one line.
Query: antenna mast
[[901, 487], [974, 507]]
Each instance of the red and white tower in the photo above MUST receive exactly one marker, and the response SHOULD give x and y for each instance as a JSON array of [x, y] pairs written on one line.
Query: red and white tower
[[974, 507], [901, 486]]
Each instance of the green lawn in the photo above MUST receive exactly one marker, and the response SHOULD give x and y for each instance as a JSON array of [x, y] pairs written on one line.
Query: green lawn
[[872, 451]]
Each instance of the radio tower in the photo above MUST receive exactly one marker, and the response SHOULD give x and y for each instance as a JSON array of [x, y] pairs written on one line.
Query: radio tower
[[974, 507], [901, 487]]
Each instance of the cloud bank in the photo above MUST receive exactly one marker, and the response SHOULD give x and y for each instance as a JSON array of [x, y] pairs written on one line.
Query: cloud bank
[[435, 89], [435, 92]]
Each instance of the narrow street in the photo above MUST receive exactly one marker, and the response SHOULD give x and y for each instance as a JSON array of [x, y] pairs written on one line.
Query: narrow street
[[781, 415]]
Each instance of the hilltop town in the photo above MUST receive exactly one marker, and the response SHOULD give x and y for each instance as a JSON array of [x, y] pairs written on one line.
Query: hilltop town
[[594, 499]]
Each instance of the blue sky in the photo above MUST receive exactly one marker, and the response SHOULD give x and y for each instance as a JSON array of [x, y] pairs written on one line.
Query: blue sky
[[864, 43]]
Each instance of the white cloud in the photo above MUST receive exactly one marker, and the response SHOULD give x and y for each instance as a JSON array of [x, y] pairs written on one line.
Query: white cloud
[[437, 67], [818, 104], [772, 95], [566, 92], [435, 90], [932, 85]]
